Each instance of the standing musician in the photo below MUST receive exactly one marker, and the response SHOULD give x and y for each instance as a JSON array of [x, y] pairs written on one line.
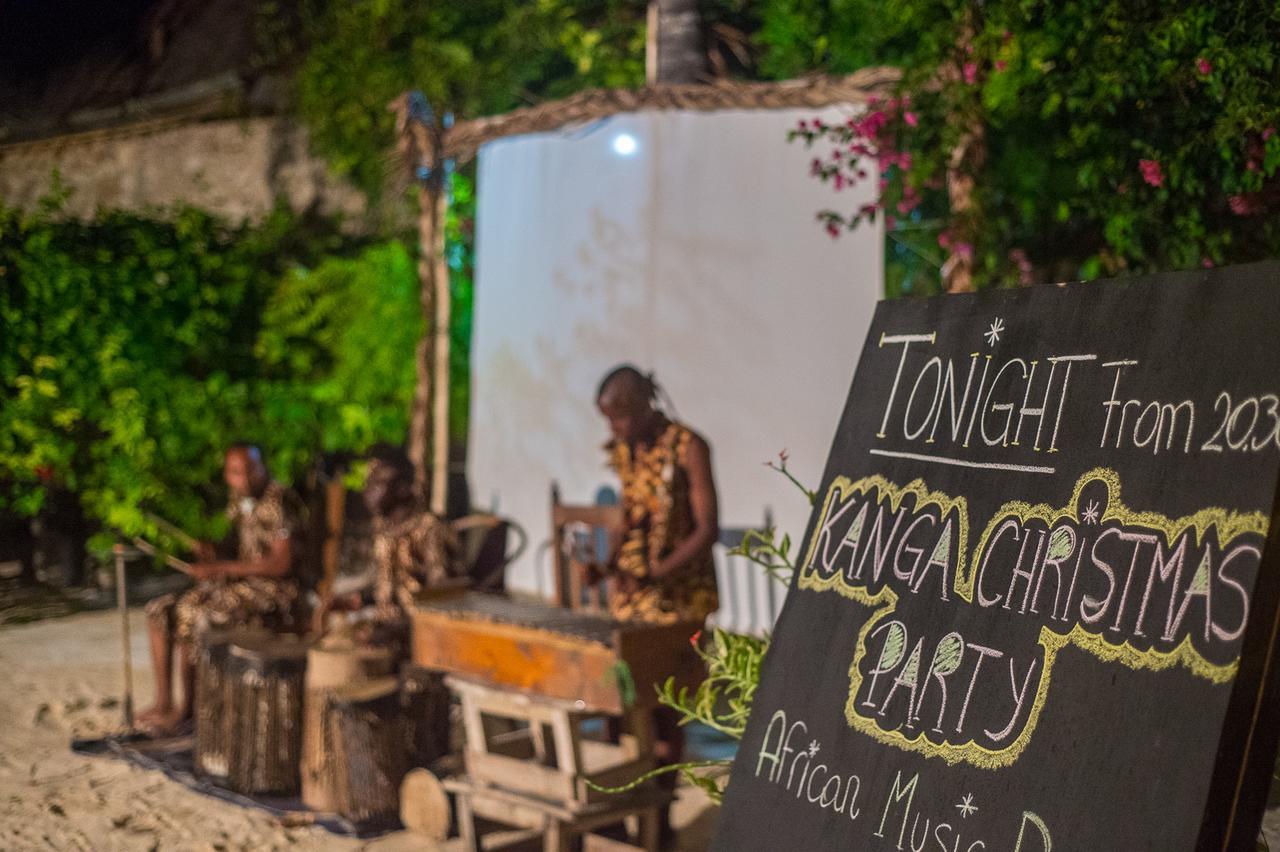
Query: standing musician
[[256, 588], [412, 550], [662, 570]]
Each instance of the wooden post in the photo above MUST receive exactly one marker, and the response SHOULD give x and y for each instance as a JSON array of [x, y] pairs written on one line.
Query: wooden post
[[444, 304], [429, 423]]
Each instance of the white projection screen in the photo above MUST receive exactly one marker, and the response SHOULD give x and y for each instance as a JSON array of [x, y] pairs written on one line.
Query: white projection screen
[[686, 243]]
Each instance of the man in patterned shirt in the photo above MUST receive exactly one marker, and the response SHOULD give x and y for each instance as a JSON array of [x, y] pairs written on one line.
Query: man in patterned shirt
[[256, 588], [412, 550]]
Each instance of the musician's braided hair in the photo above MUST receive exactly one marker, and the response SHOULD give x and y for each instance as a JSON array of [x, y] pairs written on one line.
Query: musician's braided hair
[[644, 383]]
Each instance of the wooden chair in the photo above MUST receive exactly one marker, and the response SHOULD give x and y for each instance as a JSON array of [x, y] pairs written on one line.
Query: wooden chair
[[485, 548], [576, 533]]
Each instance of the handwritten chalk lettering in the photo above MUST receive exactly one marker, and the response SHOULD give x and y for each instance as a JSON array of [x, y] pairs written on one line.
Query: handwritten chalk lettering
[[905, 824], [871, 534], [1250, 425], [1153, 424], [794, 767], [1138, 588], [927, 687], [1141, 583], [1037, 842], [1014, 401]]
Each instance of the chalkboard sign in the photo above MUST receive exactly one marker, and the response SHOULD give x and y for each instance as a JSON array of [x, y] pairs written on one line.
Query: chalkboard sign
[[1036, 604]]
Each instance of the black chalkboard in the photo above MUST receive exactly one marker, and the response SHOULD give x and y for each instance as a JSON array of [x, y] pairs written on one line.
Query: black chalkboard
[[1036, 603]]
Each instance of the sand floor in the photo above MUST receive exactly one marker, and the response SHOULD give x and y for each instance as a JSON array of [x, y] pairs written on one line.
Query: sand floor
[[62, 680]]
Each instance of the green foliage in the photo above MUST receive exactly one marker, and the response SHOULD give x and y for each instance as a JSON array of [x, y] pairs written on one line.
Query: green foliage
[[469, 59], [135, 350], [1111, 136], [337, 351]]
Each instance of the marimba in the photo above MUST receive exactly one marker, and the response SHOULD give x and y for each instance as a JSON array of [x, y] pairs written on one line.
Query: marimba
[[601, 665], [546, 671]]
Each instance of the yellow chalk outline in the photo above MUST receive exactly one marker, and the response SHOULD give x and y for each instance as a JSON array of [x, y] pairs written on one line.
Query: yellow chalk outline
[[842, 489], [1230, 525]]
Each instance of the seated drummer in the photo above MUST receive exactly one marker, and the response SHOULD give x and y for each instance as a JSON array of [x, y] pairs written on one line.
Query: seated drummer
[[662, 571], [256, 589], [412, 550]]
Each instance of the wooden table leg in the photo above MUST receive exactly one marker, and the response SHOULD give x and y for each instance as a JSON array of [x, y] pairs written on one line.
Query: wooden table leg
[[467, 824]]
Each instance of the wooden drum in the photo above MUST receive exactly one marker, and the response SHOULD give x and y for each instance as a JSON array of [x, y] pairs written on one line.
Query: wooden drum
[[211, 717], [249, 711]]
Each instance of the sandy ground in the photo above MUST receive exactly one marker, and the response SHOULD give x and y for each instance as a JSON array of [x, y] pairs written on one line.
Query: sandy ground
[[62, 680]]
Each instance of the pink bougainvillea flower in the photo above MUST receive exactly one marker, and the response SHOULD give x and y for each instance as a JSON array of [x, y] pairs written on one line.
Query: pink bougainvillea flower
[[964, 250], [890, 222], [944, 239], [833, 230], [1020, 260], [1151, 172], [910, 118], [1001, 65], [1268, 133], [1204, 66], [1243, 205], [1206, 262], [693, 640], [970, 71]]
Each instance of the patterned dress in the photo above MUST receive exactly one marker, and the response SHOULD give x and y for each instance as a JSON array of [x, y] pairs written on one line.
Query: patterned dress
[[412, 554], [658, 516], [239, 601], [409, 555]]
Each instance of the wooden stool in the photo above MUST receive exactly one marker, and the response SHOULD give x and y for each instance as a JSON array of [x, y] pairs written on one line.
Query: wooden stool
[[541, 750], [529, 764], [557, 824], [251, 721]]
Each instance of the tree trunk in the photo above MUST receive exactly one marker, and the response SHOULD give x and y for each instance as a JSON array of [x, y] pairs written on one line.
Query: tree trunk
[[675, 52]]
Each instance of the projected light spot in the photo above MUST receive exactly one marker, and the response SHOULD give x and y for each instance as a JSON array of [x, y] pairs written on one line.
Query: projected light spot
[[624, 144]]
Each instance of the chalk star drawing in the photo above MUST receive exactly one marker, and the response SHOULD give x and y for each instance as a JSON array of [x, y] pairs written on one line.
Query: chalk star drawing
[[967, 806], [993, 333], [1090, 515], [813, 747]]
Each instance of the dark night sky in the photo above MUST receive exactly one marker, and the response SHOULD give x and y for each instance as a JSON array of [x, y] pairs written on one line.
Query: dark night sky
[[39, 35]]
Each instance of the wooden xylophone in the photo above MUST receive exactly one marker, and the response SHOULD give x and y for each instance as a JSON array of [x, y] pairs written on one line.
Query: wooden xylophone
[[549, 651]]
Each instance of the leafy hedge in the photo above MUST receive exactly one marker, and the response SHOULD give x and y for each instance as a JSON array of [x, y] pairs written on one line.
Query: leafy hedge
[[135, 349]]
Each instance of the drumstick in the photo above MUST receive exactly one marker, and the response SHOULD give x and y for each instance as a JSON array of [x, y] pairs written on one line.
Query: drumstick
[[122, 602], [183, 538], [170, 560]]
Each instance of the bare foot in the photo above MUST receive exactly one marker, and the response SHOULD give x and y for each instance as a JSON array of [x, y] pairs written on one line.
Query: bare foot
[[161, 721]]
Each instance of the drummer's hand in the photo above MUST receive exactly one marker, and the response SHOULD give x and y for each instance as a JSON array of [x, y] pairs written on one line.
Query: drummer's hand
[[204, 551], [207, 570], [588, 573]]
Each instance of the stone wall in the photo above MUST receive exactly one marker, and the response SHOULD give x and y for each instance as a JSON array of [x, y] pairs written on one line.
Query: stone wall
[[235, 168]]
